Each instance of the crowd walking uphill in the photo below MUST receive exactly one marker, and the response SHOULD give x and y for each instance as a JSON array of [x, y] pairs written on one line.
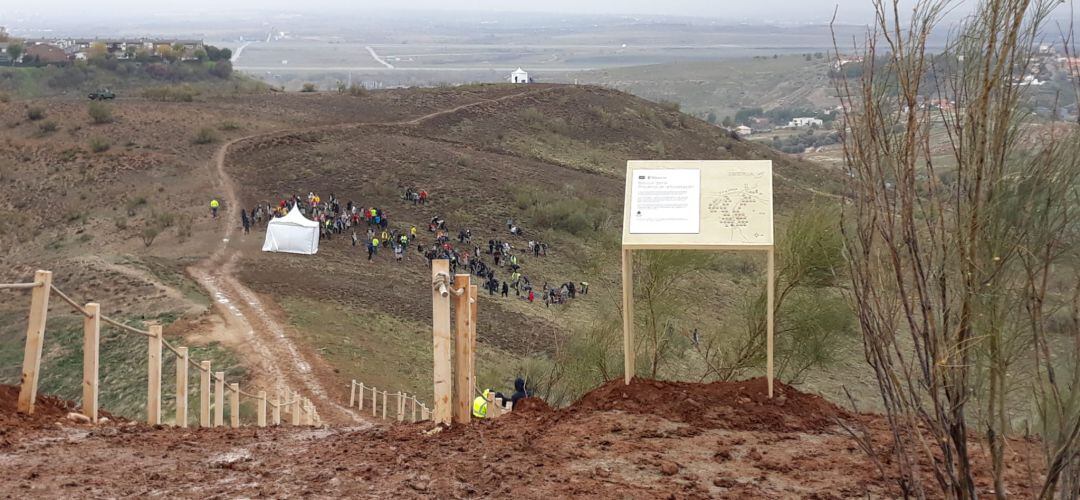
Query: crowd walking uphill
[[498, 264]]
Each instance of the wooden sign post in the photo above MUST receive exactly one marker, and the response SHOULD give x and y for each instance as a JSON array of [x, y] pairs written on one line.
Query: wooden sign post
[[696, 205], [462, 351], [440, 315]]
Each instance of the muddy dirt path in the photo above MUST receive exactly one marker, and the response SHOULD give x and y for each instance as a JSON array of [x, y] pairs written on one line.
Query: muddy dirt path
[[253, 324]]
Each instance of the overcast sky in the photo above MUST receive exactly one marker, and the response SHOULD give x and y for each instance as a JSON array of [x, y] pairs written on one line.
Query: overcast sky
[[781, 10]]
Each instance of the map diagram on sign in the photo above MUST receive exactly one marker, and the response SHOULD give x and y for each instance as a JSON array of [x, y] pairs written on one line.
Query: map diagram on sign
[[742, 212], [731, 202]]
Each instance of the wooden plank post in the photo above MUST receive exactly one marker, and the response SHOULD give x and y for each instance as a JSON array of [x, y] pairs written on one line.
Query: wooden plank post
[[629, 349], [414, 409], [440, 315], [770, 294], [277, 408], [219, 399], [308, 418], [153, 376], [204, 393], [181, 387], [424, 415], [35, 338], [352, 393], [296, 408], [360, 400], [492, 409], [374, 392], [262, 409], [91, 343], [474, 304], [462, 350], [401, 407], [234, 405], [384, 405]]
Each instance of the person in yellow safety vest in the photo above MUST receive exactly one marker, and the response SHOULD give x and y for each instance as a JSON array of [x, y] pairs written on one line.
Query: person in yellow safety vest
[[213, 207], [412, 232], [479, 405], [385, 237]]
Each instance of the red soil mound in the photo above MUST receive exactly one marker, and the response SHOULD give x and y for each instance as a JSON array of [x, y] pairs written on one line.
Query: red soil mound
[[742, 405], [47, 408]]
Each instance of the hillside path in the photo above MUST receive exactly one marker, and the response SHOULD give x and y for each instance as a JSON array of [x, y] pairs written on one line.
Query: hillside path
[[277, 363]]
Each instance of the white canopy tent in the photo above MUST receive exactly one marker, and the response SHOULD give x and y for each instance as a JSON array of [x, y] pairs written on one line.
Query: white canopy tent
[[293, 233]]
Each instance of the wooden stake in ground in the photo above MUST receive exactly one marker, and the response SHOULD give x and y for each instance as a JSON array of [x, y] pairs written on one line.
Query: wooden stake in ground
[[440, 314], [204, 393], [262, 409], [296, 408], [384, 405], [35, 337], [474, 303], [352, 393], [374, 393], [360, 400], [770, 294], [234, 405], [153, 376], [414, 409], [91, 343], [219, 399], [277, 408], [462, 350], [181, 386]]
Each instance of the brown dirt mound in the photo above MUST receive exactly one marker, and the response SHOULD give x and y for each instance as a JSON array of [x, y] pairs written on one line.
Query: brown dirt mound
[[47, 408], [741, 405], [533, 406]]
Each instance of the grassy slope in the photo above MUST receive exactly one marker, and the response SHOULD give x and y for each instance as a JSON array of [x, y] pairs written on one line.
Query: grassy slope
[[565, 147]]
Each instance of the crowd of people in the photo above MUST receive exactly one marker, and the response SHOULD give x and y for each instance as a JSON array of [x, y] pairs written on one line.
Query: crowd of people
[[498, 264]]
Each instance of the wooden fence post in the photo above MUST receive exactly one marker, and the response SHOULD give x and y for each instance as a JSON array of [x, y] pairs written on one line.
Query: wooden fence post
[[360, 402], [262, 408], [374, 392], [181, 386], [492, 406], [440, 315], [352, 393], [234, 406], [474, 304], [401, 407], [219, 399], [204, 394], [35, 337], [296, 408], [423, 413], [277, 408], [414, 409], [153, 376], [308, 418], [91, 343], [384, 405], [462, 350]]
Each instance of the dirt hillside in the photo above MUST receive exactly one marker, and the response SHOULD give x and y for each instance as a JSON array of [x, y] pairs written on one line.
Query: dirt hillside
[[646, 440]]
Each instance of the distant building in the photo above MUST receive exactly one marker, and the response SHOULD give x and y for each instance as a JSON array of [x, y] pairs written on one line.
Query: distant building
[[743, 130], [519, 76], [805, 121], [4, 57], [43, 53]]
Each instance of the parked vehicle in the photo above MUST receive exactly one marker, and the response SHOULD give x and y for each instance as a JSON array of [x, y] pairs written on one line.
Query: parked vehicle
[[102, 95]]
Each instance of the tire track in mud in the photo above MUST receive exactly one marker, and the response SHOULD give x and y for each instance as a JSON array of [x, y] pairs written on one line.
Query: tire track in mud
[[263, 341]]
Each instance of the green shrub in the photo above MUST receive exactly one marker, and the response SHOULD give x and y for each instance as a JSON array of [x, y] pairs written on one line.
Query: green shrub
[[227, 125], [205, 135], [308, 87], [47, 127], [669, 105], [99, 145], [99, 113], [35, 113]]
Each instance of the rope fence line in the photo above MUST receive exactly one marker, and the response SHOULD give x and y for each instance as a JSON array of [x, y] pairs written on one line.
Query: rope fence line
[[358, 396], [300, 409]]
